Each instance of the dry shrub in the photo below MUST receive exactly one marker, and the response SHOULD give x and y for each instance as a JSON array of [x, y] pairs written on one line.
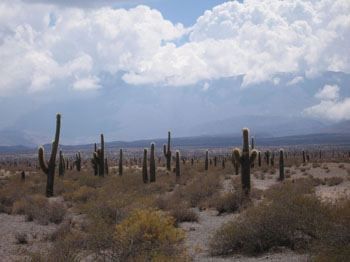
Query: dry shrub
[[334, 245], [334, 181], [39, 208], [341, 166], [21, 238], [292, 218], [182, 214], [200, 189], [229, 202], [83, 194]]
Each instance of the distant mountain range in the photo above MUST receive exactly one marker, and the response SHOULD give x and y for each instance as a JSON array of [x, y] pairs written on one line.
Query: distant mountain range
[[267, 130], [215, 141]]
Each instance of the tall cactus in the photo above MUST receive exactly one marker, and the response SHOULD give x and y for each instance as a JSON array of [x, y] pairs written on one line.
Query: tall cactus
[[99, 158], [49, 169], [177, 169], [121, 162], [152, 165], [245, 159], [259, 159], [144, 167], [94, 161], [61, 164], [78, 161], [206, 160], [101, 170], [167, 153], [281, 164]]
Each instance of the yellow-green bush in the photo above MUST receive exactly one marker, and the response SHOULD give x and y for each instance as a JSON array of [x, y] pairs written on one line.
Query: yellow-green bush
[[148, 235]]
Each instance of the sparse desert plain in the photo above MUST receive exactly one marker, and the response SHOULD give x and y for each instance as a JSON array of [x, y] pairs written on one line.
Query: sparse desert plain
[[162, 206]]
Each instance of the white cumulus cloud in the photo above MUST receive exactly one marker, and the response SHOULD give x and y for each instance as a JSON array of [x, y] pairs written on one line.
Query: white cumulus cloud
[[42, 44], [331, 110], [328, 92]]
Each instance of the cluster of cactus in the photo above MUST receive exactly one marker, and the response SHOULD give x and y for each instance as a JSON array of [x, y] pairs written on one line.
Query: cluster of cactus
[[49, 169], [245, 159], [61, 165], [167, 153], [98, 160]]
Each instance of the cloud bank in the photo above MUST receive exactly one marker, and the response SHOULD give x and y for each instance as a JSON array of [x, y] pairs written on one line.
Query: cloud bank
[[330, 107], [43, 46]]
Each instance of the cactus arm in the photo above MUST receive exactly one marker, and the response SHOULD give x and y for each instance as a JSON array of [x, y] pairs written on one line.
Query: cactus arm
[[42, 162], [164, 150], [237, 156], [253, 156]]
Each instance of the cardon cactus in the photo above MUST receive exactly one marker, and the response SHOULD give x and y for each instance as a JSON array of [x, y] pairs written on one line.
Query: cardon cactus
[[94, 161], [144, 167], [152, 165], [99, 158], [281, 164], [177, 169], [245, 159], [61, 164], [167, 153], [121, 162], [49, 169], [206, 160], [78, 161]]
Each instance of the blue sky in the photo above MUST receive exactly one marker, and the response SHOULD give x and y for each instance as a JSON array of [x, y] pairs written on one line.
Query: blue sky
[[135, 69]]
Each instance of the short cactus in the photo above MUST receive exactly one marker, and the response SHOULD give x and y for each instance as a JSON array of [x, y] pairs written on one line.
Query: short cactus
[[167, 153], [177, 169], [121, 162], [49, 169], [61, 164], [78, 161], [245, 159], [106, 166], [206, 160], [281, 164], [152, 165], [144, 167]]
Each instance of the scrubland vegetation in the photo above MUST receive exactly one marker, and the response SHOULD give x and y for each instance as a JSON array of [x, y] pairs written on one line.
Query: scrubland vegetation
[[117, 214]]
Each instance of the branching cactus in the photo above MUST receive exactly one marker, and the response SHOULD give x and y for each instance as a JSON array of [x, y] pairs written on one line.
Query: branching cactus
[[167, 153], [49, 169], [206, 160], [121, 162], [61, 164], [281, 164], [144, 167], [177, 169], [245, 159], [152, 165], [99, 158]]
